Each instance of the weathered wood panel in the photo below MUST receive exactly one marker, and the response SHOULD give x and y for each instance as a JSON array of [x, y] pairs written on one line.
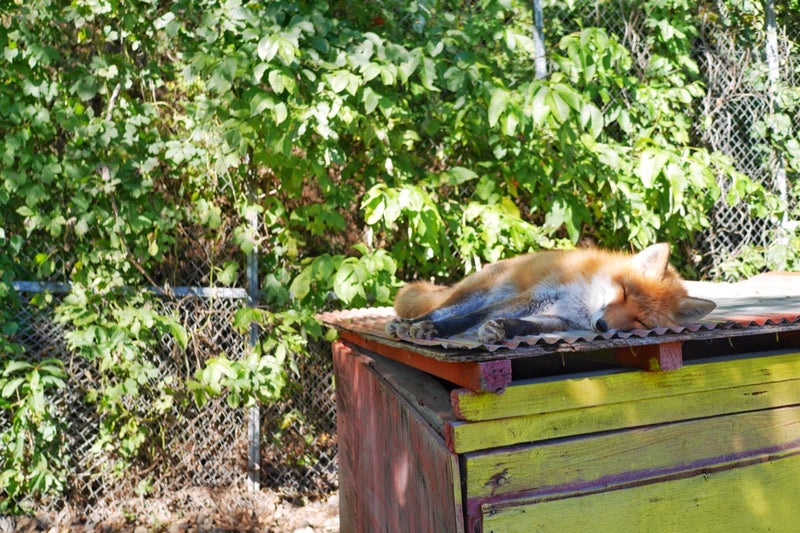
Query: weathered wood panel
[[756, 497], [464, 437], [492, 375], [630, 455], [548, 395], [395, 473]]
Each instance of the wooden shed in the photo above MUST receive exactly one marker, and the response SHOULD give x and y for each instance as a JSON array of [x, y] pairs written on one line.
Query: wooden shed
[[681, 429]]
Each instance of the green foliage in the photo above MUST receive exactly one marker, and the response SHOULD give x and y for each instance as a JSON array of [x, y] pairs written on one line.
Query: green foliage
[[32, 459], [116, 337], [262, 374], [350, 144]]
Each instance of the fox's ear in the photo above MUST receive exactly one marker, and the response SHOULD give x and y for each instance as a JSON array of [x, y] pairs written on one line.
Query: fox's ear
[[653, 260], [692, 309]]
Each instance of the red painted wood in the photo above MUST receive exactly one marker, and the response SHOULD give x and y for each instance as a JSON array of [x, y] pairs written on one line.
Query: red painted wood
[[492, 376], [395, 473], [449, 433], [665, 356]]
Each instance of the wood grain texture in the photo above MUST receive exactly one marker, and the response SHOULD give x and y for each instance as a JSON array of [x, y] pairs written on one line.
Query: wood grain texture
[[492, 375], [395, 474], [591, 390], [757, 497], [464, 437], [630, 455], [427, 394]]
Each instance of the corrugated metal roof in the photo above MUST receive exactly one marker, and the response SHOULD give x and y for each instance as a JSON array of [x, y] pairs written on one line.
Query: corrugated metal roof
[[764, 302]]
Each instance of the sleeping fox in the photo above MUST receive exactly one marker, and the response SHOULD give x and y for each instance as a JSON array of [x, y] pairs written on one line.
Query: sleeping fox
[[552, 291]]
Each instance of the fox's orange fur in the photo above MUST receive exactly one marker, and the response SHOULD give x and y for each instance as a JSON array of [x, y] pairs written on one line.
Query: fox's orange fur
[[552, 290]]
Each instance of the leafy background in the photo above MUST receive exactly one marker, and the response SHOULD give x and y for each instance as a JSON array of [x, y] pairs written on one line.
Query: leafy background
[[350, 146]]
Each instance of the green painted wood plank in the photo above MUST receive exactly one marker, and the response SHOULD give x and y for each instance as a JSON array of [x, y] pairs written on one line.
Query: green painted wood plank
[[549, 394], [641, 453], [758, 497], [462, 437]]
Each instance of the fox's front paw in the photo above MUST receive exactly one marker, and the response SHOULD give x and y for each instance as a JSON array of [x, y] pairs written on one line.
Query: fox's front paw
[[491, 331], [398, 327], [424, 329]]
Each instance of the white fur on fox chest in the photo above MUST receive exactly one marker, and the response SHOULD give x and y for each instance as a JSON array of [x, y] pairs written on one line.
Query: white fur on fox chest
[[581, 301]]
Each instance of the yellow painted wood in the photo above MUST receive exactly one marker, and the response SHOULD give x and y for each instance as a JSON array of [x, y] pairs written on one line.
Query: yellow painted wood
[[470, 436], [636, 453], [549, 395], [758, 497]]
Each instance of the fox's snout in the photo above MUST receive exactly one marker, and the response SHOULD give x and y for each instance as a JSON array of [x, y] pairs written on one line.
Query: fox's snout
[[600, 325], [599, 322]]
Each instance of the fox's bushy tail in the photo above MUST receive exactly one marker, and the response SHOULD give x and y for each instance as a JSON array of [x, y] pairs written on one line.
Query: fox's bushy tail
[[420, 298]]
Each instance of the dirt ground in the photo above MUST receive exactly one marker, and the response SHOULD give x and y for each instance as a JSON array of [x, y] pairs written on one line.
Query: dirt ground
[[195, 510]]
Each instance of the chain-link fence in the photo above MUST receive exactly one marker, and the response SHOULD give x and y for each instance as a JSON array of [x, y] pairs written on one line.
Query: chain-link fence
[[206, 446], [741, 96], [296, 437], [745, 65]]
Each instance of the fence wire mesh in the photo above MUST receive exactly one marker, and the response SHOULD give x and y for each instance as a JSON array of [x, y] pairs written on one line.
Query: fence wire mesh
[[208, 447], [195, 447], [738, 100], [731, 119]]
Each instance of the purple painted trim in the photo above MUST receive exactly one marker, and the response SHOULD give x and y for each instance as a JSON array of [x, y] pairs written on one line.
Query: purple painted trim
[[495, 375]]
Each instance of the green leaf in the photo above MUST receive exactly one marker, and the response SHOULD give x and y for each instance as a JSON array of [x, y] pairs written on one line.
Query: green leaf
[[458, 176], [268, 48], [370, 71], [570, 213], [568, 95], [228, 274], [246, 316], [408, 66], [178, 333], [651, 162], [13, 367], [301, 285], [540, 107], [592, 117], [281, 113], [86, 87], [497, 105], [340, 80], [346, 284], [11, 387], [558, 106], [370, 99], [259, 70]]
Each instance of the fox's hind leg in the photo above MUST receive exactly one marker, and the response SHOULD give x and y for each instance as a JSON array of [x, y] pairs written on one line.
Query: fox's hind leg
[[415, 328], [398, 327], [498, 329], [444, 325], [456, 315], [428, 326], [425, 328]]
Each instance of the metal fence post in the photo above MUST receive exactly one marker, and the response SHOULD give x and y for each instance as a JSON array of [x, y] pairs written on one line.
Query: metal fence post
[[540, 60], [254, 413], [773, 86]]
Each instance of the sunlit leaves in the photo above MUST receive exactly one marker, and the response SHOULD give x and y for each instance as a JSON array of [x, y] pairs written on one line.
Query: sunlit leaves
[[354, 281]]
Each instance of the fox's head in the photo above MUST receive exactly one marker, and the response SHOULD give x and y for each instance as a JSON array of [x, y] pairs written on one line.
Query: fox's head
[[649, 294]]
